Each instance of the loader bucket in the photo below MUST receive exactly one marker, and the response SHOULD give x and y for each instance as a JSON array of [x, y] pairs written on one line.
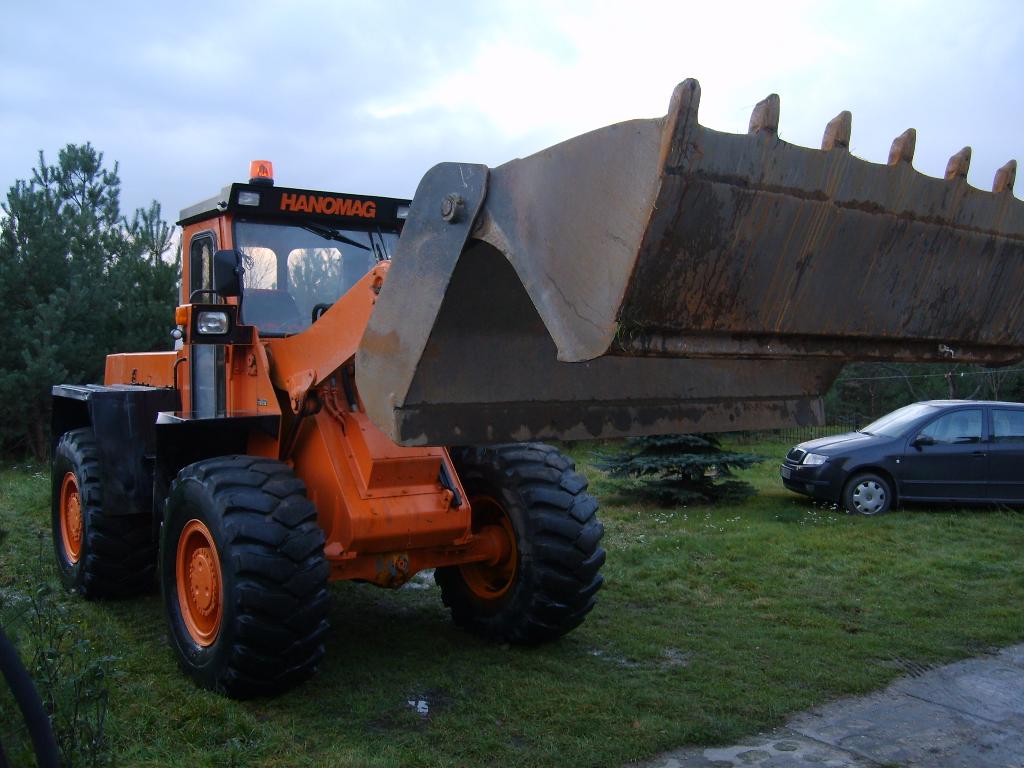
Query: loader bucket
[[657, 276]]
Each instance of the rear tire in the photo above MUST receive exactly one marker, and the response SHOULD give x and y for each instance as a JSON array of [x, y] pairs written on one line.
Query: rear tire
[[243, 576], [99, 555], [549, 584], [867, 494]]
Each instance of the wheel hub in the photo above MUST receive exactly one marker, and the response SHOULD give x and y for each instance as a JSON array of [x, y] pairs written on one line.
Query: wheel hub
[[869, 497], [492, 579], [203, 581], [199, 582], [71, 518]]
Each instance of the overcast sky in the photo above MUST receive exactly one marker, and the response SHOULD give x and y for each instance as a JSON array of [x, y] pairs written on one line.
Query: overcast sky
[[365, 96]]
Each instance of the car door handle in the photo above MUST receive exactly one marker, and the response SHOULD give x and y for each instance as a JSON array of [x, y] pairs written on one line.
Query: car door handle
[[979, 453]]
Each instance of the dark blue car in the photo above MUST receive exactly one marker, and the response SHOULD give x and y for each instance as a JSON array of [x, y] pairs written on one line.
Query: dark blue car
[[937, 451]]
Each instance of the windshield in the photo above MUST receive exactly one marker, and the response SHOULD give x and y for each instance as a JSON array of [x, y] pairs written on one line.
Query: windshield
[[896, 423], [290, 269]]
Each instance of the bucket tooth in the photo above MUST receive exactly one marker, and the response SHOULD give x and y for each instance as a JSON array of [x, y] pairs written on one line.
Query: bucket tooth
[[903, 146], [837, 132], [685, 99], [765, 117], [959, 164], [1005, 177], [681, 117]]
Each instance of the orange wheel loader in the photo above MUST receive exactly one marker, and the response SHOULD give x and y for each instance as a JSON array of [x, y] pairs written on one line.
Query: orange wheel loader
[[357, 379]]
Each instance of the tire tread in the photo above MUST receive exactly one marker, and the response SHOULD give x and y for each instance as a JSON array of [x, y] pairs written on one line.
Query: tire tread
[[119, 551], [275, 549], [563, 536]]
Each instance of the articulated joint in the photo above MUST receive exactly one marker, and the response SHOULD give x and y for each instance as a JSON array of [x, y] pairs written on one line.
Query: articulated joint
[[298, 385]]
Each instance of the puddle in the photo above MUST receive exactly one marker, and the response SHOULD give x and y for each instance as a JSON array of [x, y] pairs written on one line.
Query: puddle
[[619, 661], [417, 710], [670, 657], [428, 703], [420, 706], [673, 657]]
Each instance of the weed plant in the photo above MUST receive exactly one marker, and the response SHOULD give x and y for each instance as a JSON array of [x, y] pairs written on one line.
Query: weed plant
[[71, 677]]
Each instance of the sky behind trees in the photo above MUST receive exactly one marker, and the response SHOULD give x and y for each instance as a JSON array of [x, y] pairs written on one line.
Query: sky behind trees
[[365, 97]]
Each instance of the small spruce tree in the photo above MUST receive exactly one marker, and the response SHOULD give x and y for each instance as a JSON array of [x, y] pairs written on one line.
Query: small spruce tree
[[679, 469]]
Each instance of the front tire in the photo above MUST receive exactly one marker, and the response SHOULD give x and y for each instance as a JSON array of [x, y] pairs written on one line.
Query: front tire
[[546, 584], [99, 555], [243, 576], [867, 494]]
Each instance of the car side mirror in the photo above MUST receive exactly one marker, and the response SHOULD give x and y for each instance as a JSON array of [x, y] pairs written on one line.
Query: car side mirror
[[227, 273], [922, 440]]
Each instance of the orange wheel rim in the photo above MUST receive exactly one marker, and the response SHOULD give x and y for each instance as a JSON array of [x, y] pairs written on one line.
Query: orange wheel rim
[[490, 581], [71, 518], [200, 588]]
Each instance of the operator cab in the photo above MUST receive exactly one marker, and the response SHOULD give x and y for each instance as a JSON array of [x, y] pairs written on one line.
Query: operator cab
[[301, 249]]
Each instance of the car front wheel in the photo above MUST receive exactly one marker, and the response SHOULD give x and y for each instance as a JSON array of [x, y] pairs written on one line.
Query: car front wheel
[[867, 494]]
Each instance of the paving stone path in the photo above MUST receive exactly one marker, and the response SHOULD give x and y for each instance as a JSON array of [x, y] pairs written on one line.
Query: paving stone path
[[965, 715]]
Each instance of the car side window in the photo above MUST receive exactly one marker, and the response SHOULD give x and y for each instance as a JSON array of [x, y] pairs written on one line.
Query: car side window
[[1007, 426], [956, 427]]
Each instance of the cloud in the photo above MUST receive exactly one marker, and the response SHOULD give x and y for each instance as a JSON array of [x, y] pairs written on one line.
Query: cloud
[[366, 97]]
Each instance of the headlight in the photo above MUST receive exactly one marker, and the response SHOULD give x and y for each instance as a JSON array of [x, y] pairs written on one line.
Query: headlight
[[814, 459], [212, 323]]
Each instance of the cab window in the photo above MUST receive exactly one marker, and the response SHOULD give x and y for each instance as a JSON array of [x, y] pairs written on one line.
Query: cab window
[[201, 265], [293, 270], [260, 266]]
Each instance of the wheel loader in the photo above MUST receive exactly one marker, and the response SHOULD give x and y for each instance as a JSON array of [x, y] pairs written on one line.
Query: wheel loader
[[360, 382]]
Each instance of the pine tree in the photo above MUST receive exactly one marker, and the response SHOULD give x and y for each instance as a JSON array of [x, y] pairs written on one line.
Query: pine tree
[[77, 281], [679, 469]]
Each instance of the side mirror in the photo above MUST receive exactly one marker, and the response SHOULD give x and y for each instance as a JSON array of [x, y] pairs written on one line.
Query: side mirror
[[921, 440], [227, 273]]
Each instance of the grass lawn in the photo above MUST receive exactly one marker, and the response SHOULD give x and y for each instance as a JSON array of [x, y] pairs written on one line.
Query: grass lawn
[[713, 623]]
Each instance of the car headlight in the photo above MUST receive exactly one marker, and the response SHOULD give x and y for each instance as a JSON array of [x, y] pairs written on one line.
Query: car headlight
[[814, 459], [212, 323]]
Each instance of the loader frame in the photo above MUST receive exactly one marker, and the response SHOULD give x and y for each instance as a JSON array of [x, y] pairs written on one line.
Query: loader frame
[[387, 511]]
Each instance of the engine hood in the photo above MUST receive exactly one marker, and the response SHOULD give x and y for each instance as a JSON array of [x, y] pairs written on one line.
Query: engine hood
[[840, 443]]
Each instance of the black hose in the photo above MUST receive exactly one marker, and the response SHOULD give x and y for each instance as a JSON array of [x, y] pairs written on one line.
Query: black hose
[[32, 711], [350, 392]]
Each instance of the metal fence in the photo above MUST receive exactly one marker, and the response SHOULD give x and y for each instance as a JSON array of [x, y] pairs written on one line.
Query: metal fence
[[836, 426]]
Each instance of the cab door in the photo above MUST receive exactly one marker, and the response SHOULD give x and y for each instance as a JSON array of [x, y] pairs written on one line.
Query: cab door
[[207, 361], [1006, 455], [947, 460]]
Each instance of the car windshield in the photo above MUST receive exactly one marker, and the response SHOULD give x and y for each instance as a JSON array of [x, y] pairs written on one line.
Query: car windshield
[[896, 423], [292, 268]]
